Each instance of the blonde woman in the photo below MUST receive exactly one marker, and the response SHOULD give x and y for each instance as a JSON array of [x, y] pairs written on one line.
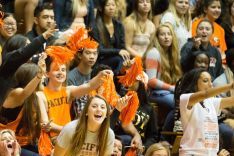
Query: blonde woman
[[139, 29], [179, 16], [163, 67], [158, 149], [91, 135]]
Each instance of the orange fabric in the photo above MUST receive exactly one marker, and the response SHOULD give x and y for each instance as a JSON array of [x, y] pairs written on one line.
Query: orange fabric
[[80, 40], [107, 91], [14, 124], [21, 136], [130, 77], [59, 54], [58, 107], [1, 18], [218, 36], [131, 152], [44, 144], [129, 112]]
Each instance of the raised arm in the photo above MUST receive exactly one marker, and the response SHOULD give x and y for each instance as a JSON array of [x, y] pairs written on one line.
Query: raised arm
[[202, 95], [79, 91], [21, 94]]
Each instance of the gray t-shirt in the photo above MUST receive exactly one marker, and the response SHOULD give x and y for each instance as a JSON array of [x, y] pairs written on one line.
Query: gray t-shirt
[[91, 140], [76, 78]]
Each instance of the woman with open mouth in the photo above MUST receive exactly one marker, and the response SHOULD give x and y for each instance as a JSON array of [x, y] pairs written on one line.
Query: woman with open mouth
[[90, 135], [8, 143]]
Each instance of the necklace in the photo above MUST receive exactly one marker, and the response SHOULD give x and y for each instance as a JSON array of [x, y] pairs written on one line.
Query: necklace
[[142, 27]]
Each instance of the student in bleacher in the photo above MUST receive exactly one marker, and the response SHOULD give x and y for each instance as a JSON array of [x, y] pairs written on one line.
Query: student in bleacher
[[110, 35], [179, 17], [139, 28], [211, 10], [163, 68], [20, 111], [91, 134]]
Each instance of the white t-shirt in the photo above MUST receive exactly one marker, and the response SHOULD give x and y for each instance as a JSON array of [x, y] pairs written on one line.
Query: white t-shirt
[[182, 33], [200, 127], [91, 140]]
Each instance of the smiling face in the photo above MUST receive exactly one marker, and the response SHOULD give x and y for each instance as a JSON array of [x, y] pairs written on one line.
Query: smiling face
[[110, 8], [97, 112], [204, 82], [9, 27], [204, 30], [57, 73], [164, 37], [213, 11], [181, 7]]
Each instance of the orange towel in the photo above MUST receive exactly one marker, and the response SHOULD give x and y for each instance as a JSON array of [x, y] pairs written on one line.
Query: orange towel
[[129, 112], [44, 144]]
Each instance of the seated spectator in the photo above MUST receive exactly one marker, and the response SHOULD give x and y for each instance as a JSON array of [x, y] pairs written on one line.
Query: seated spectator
[[19, 111], [17, 51], [205, 10], [8, 28], [163, 68], [43, 20], [202, 42], [109, 33], [118, 147], [139, 29], [8, 143], [178, 15], [158, 149], [91, 134]]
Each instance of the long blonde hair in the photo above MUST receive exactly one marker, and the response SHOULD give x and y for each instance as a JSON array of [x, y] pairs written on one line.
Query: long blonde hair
[[76, 4], [170, 64], [81, 130], [156, 147], [186, 19]]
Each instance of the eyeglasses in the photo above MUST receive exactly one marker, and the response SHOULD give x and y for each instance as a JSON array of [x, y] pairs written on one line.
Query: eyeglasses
[[8, 25]]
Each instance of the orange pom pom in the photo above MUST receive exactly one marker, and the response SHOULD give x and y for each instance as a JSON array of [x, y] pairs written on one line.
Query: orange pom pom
[[129, 112], [131, 152], [44, 144], [80, 40], [107, 91], [130, 77], [59, 54], [1, 18]]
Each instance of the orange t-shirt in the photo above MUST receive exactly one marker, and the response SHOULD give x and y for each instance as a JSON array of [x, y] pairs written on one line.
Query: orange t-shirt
[[58, 107], [218, 36]]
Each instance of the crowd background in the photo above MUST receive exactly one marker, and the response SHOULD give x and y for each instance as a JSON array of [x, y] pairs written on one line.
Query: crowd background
[[165, 60]]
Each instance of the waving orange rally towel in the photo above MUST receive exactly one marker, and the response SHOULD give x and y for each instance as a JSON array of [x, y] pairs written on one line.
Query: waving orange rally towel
[[128, 113], [107, 91], [44, 144]]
